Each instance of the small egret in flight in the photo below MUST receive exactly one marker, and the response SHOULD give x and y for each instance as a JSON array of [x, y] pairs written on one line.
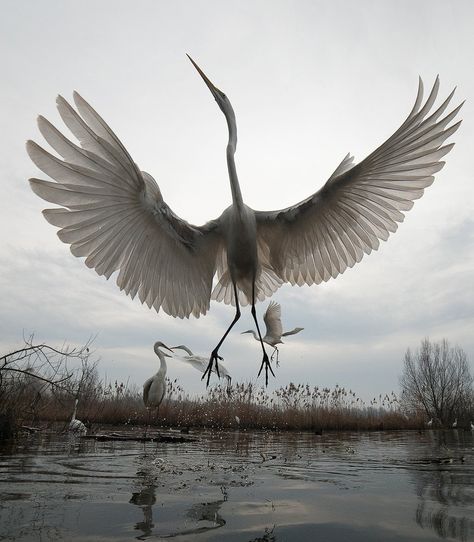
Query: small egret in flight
[[76, 426], [200, 363], [114, 215], [274, 328]]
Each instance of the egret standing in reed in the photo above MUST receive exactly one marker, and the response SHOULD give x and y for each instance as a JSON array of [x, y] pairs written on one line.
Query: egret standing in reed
[[114, 215], [274, 329], [76, 426], [154, 388]]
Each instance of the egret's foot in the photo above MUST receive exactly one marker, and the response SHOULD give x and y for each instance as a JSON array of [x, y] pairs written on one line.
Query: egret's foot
[[210, 367], [266, 363]]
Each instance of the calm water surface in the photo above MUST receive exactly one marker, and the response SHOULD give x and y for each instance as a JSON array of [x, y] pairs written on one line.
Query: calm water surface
[[241, 486]]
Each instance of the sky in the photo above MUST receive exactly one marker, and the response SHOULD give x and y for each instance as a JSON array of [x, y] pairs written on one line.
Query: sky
[[309, 81]]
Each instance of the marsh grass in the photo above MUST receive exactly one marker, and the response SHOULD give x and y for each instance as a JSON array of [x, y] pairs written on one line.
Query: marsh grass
[[243, 406]]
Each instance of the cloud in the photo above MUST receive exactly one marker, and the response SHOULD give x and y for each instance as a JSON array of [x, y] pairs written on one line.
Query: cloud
[[302, 99]]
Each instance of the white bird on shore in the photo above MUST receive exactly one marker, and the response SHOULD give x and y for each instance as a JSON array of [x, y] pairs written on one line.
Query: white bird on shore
[[455, 423], [114, 215], [200, 363], [472, 426], [76, 426], [274, 329], [430, 423]]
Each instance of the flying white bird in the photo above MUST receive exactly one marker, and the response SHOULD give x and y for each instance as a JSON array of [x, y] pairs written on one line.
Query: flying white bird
[[274, 328], [76, 426], [115, 216], [200, 363]]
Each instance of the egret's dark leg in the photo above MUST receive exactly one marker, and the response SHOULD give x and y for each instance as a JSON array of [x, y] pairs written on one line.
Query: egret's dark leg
[[278, 354], [265, 360], [147, 422], [214, 354]]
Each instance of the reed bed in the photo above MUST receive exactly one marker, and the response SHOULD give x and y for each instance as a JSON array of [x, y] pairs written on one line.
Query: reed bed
[[241, 406]]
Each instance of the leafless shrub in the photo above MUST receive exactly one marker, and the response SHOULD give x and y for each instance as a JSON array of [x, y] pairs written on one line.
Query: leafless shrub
[[437, 382], [37, 375]]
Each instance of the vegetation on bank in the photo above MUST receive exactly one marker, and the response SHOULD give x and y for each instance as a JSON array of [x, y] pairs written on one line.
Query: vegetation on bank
[[39, 384]]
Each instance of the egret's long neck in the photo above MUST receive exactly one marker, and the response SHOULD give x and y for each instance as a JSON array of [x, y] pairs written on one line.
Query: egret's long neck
[[186, 349], [231, 148], [163, 367]]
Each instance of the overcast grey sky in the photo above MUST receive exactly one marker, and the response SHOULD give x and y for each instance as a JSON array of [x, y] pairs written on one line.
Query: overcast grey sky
[[309, 82]]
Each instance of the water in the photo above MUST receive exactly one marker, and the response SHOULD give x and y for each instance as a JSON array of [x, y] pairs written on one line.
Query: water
[[239, 486]]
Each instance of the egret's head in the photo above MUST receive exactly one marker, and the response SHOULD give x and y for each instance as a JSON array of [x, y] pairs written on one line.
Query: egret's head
[[220, 97], [159, 345]]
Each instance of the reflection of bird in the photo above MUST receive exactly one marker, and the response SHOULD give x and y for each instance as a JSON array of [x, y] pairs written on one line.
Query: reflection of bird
[[114, 215], [76, 426], [274, 331], [430, 423], [200, 363], [155, 387], [455, 423]]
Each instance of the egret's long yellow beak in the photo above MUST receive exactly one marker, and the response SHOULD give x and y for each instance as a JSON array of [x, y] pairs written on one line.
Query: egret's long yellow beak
[[214, 90]]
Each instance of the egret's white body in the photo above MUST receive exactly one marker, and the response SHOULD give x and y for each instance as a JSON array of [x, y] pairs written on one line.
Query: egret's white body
[[274, 328], [154, 388], [114, 215], [76, 426], [430, 423], [455, 423], [472, 426], [200, 363]]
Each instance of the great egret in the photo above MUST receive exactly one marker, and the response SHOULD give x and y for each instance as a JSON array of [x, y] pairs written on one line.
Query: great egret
[[430, 423], [274, 328], [114, 215], [76, 426], [200, 363], [155, 387], [455, 423]]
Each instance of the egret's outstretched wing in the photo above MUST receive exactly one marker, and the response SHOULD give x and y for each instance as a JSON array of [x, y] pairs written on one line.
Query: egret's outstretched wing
[[114, 215], [358, 206], [272, 319], [292, 332]]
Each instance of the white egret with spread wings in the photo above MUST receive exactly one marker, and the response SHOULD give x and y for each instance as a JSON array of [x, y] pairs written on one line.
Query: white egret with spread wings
[[274, 328], [114, 215], [200, 363]]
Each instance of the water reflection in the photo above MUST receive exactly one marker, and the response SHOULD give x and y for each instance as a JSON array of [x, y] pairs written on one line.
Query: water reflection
[[145, 498], [206, 511], [147, 482], [444, 487], [252, 487]]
